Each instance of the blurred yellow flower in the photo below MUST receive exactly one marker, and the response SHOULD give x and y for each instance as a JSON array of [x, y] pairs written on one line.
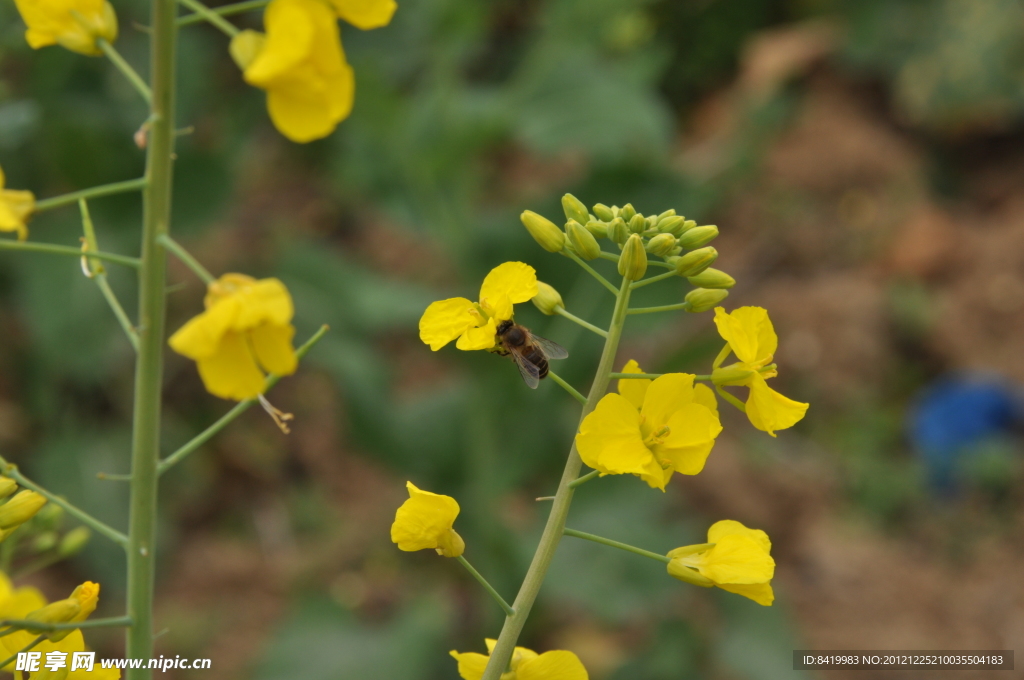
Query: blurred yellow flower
[[739, 562], [526, 664], [475, 324], [651, 428], [19, 509], [21, 603], [245, 331], [73, 24], [365, 14], [302, 67], [15, 209], [425, 521], [749, 335]]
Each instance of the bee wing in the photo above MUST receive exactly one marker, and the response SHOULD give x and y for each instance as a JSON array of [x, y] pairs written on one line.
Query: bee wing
[[530, 373], [552, 350]]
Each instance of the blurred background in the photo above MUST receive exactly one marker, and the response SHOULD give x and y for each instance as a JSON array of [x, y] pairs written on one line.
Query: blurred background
[[863, 160]]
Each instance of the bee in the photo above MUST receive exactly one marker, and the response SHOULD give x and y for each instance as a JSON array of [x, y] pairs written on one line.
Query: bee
[[529, 351]]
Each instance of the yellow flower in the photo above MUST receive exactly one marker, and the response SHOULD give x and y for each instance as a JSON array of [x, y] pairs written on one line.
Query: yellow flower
[[425, 521], [526, 664], [245, 331], [365, 14], [72, 24], [77, 607], [749, 335], [651, 428], [739, 562], [20, 603], [301, 65], [15, 209], [475, 324]]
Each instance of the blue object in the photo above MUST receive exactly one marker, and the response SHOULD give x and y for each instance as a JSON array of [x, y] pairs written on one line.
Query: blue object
[[955, 415]]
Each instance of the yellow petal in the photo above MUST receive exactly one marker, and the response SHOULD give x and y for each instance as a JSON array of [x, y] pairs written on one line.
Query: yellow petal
[[507, 284], [609, 439], [15, 209], [749, 332], [705, 396], [633, 389], [768, 410], [304, 114], [665, 396], [471, 664], [231, 372], [446, 320], [737, 559], [484, 337], [760, 593], [693, 429], [730, 527], [200, 338], [273, 347], [74, 24], [266, 301], [365, 14], [424, 521], [288, 44], [555, 665]]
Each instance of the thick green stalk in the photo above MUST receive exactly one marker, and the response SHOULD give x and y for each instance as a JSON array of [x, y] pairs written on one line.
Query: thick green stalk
[[149, 365], [499, 660]]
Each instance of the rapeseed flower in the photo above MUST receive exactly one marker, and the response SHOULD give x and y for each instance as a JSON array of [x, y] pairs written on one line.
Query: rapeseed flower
[[301, 65], [75, 608], [475, 324], [425, 522], [245, 332], [651, 428], [526, 664], [73, 24], [15, 208], [365, 14], [735, 558], [749, 335]]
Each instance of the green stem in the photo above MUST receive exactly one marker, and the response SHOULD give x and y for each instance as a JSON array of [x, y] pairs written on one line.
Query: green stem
[[23, 650], [612, 257], [225, 10], [580, 481], [186, 258], [93, 192], [731, 399], [13, 625], [11, 470], [53, 249], [502, 653], [685, 306], [567, 387], [240, 408], [616, 544], [590, 270], [125, 68], [209, 15], [575, 319], [97, 273], [653, 279], [156, 217], [487, 586]]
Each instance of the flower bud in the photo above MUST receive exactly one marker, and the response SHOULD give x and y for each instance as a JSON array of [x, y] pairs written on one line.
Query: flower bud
[[696, 261], [7, 487], [661, 245], [698, 237], [44, 541], [543, 231], [20, 509], [547, 299], [668, 213], [603, 212], [627, 211], [618, 231], [574, 209], [583, 242], [689, 224], [712, 278], [598, 229], [637, 224], [74, 541], [672, 225], [633, 259], [703, 299], [245, 46], [61, 611]]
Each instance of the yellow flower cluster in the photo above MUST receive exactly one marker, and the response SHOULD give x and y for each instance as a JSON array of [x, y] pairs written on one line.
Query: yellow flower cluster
[[301, 64], [526, 664], [15, 209], [29, 603], [244, 333], [735, 559], [76, 25]]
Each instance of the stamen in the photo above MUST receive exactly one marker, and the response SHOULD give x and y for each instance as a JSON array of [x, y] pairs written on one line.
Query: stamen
[[279, 417]]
